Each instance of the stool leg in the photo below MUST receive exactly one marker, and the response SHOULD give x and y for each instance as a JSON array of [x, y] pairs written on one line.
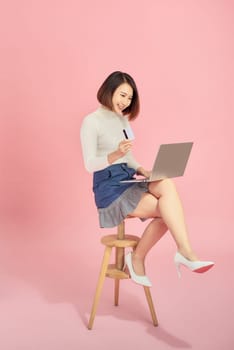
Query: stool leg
[[151, 306], [116, 291], [101, 278], [119, 263]]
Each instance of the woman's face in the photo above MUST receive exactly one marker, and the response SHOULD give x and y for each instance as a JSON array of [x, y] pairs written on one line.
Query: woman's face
[[122, 98]]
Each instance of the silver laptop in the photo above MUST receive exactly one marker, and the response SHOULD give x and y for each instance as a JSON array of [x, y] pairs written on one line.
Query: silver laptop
[[171, 161]]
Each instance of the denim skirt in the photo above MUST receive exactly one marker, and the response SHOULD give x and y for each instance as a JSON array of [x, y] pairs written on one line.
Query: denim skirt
[[115, 200]]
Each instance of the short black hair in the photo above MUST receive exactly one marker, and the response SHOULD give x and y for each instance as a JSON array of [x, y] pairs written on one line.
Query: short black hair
[[108, 87]]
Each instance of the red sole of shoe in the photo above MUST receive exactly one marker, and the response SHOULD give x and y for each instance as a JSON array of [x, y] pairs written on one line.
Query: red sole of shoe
[[203, 269]]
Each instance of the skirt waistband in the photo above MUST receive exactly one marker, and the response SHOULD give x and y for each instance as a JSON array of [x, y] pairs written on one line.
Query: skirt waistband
[[118, 171], [106, 183]]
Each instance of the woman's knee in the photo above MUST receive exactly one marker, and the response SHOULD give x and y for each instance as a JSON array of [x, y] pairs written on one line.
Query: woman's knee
[[159, 222], [160, 187]]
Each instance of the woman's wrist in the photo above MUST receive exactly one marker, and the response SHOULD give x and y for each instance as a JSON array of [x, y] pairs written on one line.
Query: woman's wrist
[[140, 170], [143, 172], [112, 157]]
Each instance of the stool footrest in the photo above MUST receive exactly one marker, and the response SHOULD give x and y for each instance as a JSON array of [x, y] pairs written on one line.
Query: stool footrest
[[113, 272], [113, 241]]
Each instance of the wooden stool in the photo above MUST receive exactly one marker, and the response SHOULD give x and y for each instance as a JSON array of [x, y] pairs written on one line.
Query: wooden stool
[[120, 241]]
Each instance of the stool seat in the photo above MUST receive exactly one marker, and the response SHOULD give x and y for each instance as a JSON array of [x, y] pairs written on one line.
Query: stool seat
[[119, 242]]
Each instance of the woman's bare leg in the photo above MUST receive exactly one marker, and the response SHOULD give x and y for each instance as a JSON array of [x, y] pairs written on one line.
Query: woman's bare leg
[[152, 234], [171, 210], [161, 201]]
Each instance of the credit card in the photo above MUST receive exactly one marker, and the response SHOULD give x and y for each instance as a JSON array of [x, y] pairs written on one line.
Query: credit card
[[128, 133]]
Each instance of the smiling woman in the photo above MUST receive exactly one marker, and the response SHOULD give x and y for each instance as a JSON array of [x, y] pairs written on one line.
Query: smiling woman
[[108, 155], [122, 98], [119, 93]]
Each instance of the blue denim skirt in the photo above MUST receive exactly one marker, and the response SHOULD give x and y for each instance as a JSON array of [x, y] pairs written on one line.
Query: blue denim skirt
[[115, 200]]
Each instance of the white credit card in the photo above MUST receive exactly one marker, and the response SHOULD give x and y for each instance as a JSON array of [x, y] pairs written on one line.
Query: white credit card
[[128, 133]]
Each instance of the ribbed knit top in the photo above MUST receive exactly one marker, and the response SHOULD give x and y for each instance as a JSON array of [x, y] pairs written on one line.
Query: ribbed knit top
[[101, 132]]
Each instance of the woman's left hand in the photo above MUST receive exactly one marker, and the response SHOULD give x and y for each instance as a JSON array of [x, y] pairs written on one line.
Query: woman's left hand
[[143, 172]]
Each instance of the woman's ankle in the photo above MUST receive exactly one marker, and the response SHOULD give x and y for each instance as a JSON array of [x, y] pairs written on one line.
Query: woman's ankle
[[188, 254], [138, 264]]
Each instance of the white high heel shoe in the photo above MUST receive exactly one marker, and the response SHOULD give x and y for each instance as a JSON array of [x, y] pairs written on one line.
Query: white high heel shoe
[[195, 266], [143, 280]]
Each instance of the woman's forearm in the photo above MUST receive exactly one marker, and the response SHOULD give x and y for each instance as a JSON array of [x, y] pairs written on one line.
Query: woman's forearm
[[112, 157]]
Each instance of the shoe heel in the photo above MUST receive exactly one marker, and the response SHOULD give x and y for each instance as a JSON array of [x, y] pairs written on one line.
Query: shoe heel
[[178, 270]]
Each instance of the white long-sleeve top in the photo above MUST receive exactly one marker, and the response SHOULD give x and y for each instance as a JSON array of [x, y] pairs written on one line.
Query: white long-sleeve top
[[101, 132]]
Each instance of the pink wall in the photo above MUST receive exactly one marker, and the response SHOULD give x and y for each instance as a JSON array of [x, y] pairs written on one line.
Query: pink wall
[[55, 54]]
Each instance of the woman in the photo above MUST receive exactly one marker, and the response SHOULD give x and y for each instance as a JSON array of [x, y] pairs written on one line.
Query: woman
[[108, 155]]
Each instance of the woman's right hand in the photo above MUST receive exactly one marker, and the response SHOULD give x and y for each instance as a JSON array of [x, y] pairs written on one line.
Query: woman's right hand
[[124, 147]]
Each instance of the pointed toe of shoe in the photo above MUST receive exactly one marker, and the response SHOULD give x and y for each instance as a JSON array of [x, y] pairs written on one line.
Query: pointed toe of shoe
[[146, 282], [204, 267], [142, 280]]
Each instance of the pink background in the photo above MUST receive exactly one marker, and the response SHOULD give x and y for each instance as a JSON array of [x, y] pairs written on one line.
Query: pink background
[[54, 55]]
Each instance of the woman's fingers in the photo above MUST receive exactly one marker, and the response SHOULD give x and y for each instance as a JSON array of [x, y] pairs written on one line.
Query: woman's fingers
[[125, 146]]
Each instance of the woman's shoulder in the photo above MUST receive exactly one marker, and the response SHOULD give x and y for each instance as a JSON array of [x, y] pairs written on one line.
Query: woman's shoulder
[[99, 115], [92, 115], [90, 119]]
